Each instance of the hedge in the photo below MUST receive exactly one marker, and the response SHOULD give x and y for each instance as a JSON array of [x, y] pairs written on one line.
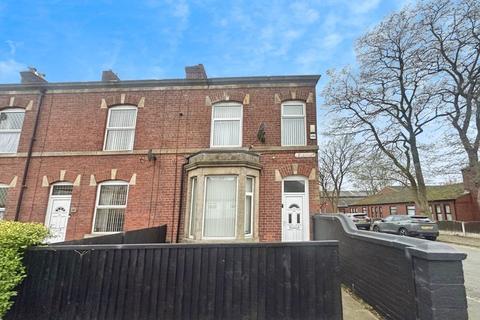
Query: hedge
[[15, 237]]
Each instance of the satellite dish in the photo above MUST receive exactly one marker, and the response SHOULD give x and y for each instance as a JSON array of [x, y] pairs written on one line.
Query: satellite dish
[[261, 133]]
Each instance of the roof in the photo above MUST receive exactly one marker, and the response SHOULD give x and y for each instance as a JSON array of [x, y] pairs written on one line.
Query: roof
[[272, 80], [405, 194], [347, 198]]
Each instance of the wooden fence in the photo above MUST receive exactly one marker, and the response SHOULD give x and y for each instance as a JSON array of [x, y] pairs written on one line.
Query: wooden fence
[[181, 281]]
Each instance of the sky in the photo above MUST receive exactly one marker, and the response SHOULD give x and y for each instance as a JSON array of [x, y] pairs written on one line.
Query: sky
[[155, 39]]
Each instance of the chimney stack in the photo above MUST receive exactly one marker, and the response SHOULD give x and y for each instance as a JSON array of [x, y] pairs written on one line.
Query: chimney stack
[[32, 76], [195, 72], [109, 75]]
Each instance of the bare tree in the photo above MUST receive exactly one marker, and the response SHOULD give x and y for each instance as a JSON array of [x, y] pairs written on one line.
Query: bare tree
[[336, 161], [375, 172], [391, 100], [452, 31]]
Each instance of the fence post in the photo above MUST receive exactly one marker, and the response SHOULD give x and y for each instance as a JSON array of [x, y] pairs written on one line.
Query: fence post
[[463, 229]]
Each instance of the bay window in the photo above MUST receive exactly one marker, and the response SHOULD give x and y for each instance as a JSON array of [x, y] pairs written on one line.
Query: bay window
[[293, 124], [120, 131], [222, 196], [226, 125], [11, 122], [110, 207], [193, 205], [249, 205], [220, 207], [3, 200]]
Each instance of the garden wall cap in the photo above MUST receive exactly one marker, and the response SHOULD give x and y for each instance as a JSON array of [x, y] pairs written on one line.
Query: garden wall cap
[[420, 248]]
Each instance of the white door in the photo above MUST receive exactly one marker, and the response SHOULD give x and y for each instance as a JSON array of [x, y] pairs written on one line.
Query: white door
[[295, 224], [58, 213]]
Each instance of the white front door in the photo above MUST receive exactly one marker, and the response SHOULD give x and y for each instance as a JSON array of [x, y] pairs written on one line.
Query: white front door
[[293, 213], [295, 224], [57, 218]]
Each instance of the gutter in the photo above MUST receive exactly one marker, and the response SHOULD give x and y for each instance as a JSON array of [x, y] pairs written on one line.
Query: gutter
[[297, 80], [41, 95]]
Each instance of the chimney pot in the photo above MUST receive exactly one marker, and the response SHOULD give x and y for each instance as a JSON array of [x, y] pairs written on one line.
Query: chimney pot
[[32, 76], [195, 72], [109, 75]]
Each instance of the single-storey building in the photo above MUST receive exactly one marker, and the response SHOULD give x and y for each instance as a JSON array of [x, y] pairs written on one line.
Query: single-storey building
[[447, 202]]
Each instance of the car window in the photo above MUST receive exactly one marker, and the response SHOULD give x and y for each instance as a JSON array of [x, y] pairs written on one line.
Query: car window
[[388, 219]]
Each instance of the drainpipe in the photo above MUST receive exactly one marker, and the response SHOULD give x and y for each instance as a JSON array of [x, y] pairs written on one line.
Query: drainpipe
[[182, 176], [23, 185]]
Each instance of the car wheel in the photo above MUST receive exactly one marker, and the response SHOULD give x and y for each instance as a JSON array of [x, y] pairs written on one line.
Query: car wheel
[[403, 232], [431, 238], [376, 229]]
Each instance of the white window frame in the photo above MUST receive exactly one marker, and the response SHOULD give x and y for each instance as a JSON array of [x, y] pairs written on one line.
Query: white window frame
[[212, 129], [409, 208], [193, 196], [2, 210], [97, 206], [293, 103], [205, 207], [250, 194], [19, 131], [108, 128]]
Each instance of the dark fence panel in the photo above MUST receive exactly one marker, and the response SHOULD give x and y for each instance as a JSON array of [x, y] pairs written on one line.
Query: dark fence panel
[[402, 278], [451, 226], [155, 281], [472, 227], [456, 226], [148, 235]]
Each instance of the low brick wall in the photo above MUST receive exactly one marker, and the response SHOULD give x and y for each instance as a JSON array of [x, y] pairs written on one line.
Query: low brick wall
[[402, 278]]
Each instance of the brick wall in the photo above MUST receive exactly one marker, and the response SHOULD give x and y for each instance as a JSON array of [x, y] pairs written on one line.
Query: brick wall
[[174, 123]]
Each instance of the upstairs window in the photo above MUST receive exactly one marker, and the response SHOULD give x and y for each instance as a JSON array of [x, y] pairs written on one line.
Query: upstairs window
[[11, 122], [226, 125], [110, 207], [293, 124], [120, 132], [3, 200]]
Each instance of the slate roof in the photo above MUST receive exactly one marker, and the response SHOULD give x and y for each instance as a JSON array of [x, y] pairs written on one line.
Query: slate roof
[[405, 194]]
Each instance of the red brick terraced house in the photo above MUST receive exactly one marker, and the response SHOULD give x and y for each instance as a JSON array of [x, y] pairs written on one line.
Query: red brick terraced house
[[447, 202], [215, 159]]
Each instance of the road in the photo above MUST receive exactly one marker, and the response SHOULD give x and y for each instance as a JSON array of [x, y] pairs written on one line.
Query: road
[[471, 270]]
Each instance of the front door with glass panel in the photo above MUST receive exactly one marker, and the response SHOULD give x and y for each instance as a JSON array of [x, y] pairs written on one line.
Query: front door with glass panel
[[295, 212], [58, 212]]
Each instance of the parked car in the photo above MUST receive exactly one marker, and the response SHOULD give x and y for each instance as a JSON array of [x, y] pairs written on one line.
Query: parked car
[[361, 220], [414, 226]]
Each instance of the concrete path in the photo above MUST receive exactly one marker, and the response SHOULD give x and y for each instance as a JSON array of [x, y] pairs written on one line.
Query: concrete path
[[353, 309], [471, 271]]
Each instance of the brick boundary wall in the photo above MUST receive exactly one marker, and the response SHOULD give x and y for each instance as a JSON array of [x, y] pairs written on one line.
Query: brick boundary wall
[[402, 278]]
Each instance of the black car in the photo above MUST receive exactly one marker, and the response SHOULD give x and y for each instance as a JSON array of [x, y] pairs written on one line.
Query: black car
[[415, 226]]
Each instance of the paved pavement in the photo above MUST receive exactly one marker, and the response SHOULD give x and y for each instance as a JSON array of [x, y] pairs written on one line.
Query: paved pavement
[[471, 271], [354, 309]]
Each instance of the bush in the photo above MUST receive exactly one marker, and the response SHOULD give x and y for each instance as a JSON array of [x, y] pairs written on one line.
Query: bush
[[15, 237]]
